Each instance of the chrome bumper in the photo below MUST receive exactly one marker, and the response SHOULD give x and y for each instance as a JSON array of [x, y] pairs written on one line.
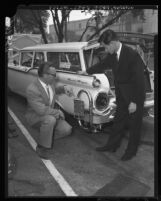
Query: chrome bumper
[[109, 114], [100, 118], [148, 103]]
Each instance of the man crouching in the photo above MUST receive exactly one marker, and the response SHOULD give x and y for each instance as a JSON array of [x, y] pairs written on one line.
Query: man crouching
[[41, 96]]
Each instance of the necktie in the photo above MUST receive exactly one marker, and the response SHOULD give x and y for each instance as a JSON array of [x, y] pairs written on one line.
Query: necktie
[[116, 56], [47, 87]]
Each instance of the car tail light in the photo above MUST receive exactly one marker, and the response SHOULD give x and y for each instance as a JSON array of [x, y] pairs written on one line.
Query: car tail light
[[102, 101]]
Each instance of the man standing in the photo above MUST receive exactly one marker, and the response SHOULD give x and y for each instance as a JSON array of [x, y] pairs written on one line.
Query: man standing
[[41, 101], [128, 70]]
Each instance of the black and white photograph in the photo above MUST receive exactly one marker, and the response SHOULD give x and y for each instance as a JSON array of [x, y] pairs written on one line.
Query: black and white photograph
[[81, 101]]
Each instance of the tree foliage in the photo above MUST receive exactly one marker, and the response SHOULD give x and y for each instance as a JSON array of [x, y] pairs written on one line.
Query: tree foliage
[[35, 21], [138, 12], [96, 18], [113, 16], [31, 21]]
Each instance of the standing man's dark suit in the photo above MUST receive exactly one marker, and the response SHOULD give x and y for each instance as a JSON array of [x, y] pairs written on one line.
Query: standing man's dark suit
[[129, 87]]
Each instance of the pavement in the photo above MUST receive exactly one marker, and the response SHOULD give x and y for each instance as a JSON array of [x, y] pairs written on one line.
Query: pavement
[[88, 172], [85, 166]]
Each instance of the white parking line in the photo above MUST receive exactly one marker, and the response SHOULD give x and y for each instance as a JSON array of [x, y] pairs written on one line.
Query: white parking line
[[66, 188]]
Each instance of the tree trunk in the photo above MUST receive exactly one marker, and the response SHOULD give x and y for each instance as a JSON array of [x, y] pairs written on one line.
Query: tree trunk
[[43, 34], [39, 21], [42, 29], [65, 32], [87, 26]]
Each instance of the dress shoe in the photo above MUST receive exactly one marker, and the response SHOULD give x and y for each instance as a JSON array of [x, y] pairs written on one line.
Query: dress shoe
[[128, 156], [43, 152]]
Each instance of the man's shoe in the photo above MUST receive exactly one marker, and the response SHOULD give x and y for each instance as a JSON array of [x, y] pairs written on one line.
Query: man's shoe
[[43, 152], [127, 156]]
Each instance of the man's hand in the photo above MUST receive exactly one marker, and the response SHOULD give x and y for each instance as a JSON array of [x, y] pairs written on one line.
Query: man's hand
[[132, 107], [68, 92]]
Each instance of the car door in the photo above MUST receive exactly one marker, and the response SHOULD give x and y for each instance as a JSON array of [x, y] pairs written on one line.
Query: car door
[[17, 72], [13, 65]]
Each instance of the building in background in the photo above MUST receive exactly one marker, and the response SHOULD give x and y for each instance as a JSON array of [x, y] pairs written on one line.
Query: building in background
[[126, 23], [74, 30]]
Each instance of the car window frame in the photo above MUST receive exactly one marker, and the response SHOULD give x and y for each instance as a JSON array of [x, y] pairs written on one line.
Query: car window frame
[[25, 51], [11, 58], [59, 55], [39, 51]]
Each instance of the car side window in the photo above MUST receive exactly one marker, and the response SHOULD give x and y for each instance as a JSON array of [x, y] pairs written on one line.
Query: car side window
[[26, 59], [53, 57], [68, 61], [92, 57], [38, 59]]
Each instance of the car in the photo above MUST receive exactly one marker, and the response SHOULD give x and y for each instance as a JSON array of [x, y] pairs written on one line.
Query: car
[[92, 101]]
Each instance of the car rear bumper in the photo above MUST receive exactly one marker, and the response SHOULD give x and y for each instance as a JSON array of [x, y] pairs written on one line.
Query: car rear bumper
[[109, 116], [148, 103]]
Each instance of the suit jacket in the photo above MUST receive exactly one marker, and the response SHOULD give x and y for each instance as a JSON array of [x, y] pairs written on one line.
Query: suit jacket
[[38, 102], [128, 74]]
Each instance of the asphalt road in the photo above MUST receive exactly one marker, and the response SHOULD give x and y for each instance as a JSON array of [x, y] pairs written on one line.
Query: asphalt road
[[85, 171]]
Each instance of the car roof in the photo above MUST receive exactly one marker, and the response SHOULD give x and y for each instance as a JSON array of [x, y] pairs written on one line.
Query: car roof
[[58, 46]]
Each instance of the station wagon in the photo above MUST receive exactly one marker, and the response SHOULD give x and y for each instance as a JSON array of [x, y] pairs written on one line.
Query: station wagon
[[93, 96]]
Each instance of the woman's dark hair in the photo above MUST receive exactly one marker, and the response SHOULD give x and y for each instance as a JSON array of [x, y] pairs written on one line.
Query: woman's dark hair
[[108, 36], [43, 68]]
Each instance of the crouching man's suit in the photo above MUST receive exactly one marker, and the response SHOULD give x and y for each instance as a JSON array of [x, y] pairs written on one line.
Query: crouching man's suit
[[40, 110]]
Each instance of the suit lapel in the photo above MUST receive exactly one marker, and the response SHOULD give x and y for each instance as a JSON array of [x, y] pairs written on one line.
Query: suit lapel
[[43, 92], [53, 101]]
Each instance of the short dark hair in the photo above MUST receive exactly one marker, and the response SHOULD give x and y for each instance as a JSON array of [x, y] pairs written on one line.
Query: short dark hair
[[108, 36], [43, 68]]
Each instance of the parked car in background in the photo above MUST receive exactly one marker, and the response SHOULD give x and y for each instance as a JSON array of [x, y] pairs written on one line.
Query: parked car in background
[[93, 99]]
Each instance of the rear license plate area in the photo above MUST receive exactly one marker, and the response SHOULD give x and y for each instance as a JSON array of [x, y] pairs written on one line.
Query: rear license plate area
[[78, 108]]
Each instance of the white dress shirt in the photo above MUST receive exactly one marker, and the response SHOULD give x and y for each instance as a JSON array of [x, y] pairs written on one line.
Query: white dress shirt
[[50, 90], [118, 51]]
